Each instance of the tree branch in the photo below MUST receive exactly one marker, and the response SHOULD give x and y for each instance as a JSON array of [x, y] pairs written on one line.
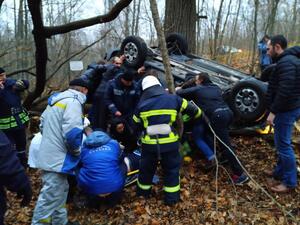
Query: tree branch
[[111, 15], [77, 53], [22, 71]]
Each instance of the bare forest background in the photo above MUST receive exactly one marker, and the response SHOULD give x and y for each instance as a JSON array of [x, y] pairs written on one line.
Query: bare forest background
[[54, 30]]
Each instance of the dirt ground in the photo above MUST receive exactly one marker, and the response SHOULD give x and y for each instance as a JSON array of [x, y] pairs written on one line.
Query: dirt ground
[[201, 203]]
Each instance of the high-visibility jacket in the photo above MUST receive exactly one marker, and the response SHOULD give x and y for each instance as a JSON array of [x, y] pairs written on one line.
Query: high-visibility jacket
[[12, 114], [156, 106]]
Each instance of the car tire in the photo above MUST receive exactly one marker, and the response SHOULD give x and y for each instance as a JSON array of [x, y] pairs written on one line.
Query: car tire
[[135, 50], [177, 44], [247, 101]]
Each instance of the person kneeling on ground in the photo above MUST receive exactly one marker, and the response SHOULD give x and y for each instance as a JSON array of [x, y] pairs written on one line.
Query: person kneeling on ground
[[103, 169]]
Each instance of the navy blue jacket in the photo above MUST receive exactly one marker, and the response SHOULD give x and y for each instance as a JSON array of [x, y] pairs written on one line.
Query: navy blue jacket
[[208, 97], [12, 174], [111, 72], [93, 75], [121, 98], [10, 98], [284, 86], [155, 107]]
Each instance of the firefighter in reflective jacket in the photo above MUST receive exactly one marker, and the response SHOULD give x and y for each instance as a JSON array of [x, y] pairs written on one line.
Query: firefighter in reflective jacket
[[156, 114], [13, 117]]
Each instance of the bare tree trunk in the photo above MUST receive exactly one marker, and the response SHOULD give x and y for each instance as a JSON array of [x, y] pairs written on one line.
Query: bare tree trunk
[[293, 31], [163, 45], [272, 17], [1, 2], [254, 45], [126, 22], [137, 19], [225, 24], [233, 33], [217, 29], [180, 16]]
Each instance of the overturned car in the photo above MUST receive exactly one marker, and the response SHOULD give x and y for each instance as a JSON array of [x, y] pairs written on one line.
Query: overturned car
[[244, 94]]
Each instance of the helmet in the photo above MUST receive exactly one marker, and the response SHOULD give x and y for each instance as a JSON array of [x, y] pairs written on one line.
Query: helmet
[[149, 81]]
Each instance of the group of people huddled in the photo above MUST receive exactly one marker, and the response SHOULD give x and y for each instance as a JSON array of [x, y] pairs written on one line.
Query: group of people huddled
[[133, 126]]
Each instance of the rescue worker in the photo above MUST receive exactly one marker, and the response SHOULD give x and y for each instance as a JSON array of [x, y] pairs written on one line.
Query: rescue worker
[[103, 169], [155, 114], [13, 117], [12, 176], [121, 97], [208, 96], [98, 114], [58, 155]]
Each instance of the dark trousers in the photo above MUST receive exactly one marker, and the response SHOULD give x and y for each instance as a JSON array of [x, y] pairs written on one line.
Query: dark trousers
[[170, 162], [18, 137], [220, 121]]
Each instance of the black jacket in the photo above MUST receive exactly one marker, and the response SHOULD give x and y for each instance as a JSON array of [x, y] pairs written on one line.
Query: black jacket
[[208, 97], [93, 75], [284, 87]]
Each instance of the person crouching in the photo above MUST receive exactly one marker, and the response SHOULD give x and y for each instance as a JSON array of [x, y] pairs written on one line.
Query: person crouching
[[103, 169]]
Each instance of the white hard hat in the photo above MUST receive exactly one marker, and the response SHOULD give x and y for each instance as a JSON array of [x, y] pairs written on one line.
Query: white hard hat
[[150, 81]]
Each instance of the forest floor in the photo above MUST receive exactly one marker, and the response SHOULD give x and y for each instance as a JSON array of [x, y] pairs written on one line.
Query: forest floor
[[200, 204]]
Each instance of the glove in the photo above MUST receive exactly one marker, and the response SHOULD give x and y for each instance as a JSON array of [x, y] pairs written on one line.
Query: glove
[[20, 85], [26, 194]]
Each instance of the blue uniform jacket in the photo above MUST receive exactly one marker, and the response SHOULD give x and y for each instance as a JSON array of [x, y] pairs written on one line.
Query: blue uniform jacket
[[264, 58], [12, 114], [101, 170], [121, 98]]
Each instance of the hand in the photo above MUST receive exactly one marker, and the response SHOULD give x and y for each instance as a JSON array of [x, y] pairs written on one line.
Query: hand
[[20, 86], [177, 88], [141, 70], [26, 194], [122, 58], [270, 119], [118, 113], [2, 84]]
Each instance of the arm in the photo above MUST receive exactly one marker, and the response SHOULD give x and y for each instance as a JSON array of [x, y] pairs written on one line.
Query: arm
[[187, 93], [189, 110], [108, 98], [72, 126]]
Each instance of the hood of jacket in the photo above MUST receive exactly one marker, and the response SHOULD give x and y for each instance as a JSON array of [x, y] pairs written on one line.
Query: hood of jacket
[[97, 139], [295, 51], [70, 93]]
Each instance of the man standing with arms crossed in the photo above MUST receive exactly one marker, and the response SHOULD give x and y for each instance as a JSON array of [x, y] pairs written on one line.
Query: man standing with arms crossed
[[283, 99]]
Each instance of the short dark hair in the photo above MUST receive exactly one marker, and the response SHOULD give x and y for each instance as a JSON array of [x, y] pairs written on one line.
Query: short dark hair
[[279, 39]]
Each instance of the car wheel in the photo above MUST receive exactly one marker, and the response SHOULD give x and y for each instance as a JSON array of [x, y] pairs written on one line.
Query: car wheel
[[177, 44], [135, 51], [248, 101]]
